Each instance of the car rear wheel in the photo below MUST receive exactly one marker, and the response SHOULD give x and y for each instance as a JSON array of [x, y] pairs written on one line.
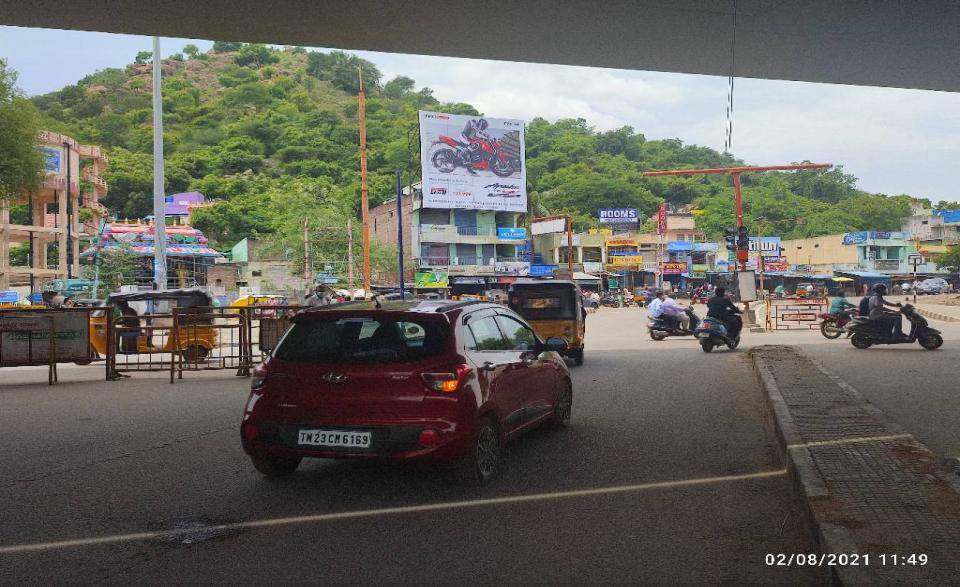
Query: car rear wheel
[[276, 466], [483, 461]]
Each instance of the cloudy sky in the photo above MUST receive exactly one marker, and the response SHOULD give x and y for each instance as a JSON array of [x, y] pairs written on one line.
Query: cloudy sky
[[895, 141]]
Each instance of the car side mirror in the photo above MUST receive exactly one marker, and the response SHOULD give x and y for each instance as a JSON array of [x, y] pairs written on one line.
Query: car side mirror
[[555, 344]]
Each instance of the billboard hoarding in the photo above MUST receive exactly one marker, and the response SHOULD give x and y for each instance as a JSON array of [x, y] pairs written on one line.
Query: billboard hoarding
[[548, 226], [618, 215], [768, 246], [674, 267], [428, 279], [542, 270], [469, 166]]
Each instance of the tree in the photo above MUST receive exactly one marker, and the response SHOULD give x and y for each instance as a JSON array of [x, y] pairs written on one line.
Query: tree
[[191, 51], [226, 46], [20, 161], [143, 57], [255, 54], [949, 260], [398, 86], [112, 268]]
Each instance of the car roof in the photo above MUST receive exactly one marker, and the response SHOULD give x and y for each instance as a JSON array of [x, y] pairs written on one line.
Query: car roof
[[415, 306]]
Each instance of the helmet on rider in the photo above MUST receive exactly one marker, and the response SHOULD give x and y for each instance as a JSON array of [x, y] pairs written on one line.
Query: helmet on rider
[[880, 289]]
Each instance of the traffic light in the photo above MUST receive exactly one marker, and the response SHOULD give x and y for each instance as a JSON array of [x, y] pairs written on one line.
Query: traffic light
[[743, 239], [731, 238]]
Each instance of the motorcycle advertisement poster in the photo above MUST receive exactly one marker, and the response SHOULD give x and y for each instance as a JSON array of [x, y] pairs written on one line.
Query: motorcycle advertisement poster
[[472, 162]]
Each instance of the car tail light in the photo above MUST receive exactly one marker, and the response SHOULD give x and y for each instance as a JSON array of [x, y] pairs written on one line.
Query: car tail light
[[446, 381], [428, 437], [249, 431]]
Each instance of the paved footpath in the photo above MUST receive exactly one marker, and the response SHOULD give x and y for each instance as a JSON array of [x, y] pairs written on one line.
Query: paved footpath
[[872, 489]]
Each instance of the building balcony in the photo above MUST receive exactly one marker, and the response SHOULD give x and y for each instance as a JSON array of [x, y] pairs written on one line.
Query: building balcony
[[475, 235], [451, 261]]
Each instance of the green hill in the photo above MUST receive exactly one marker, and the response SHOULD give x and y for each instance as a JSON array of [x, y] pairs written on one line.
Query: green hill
[[271, 135]]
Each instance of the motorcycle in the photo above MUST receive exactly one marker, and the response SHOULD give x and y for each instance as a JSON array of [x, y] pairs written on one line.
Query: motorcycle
[[663, 326], [866, 332], [479, 154], [833, 325], [713, 333]]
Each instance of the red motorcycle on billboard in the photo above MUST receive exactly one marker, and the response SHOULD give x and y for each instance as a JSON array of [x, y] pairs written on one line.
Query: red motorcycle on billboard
[[480, 152]]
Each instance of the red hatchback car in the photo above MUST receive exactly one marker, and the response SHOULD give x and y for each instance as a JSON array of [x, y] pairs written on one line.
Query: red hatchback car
[[438, 380]]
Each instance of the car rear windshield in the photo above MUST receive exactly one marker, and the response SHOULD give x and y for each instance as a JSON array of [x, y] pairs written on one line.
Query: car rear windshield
[[545, 305], [361, 339]]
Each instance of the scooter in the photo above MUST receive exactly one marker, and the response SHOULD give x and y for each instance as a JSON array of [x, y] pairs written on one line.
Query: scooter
[[713, 333], [833, 325], [663, 326], [866, 333]]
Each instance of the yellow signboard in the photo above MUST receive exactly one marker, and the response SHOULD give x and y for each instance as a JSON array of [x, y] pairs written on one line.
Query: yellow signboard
[[620, 260], [622, 242]]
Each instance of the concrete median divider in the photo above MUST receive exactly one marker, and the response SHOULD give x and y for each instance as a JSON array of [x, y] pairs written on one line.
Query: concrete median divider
[[875, 494]]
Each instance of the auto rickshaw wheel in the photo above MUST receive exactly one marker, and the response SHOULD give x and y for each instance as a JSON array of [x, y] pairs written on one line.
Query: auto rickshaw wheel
[[194, 353], [576, 355]]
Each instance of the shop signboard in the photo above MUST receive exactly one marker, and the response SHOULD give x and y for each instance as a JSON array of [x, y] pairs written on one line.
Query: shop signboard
[[468, 270], [467, 280], [493, 183], [548, 226], [674, 267], [622, 242], [662, 218], [613, 282], [542, 270], [621, 260], [775, 264], [512, 233], [855, 238], [592, 266], [428, 279], [511, 268], [618, 215]]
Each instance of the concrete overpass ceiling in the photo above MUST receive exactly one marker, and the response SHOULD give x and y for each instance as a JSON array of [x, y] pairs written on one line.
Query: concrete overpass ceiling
[[897, 43]]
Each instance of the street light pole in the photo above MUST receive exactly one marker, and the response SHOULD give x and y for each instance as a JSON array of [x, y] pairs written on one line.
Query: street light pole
[[159, 213]]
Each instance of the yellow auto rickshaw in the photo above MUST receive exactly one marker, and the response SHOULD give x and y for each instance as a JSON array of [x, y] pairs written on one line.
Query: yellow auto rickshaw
[[554, 308], [143, 317]]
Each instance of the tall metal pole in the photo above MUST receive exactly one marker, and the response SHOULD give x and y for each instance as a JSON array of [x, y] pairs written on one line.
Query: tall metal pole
[[570, 246], [364, 195], [742, 256], [159, 214], [400, 232], [350, 254], [307, 264], [66, 146]]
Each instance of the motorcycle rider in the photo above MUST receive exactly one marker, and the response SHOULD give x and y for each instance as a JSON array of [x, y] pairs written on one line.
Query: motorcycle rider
[[892, 321], [673, 311], [840, 304], [721, 308], [655, 307]]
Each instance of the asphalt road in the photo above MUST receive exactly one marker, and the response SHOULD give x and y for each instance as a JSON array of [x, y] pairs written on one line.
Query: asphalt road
[[88, 459]]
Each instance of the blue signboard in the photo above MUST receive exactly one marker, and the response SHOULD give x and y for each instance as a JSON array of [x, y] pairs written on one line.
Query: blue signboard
[[512, 233], [673, 246], [542, 270], [9, 297], [52, 159], [618, 215], [36, 298], [855, 238]]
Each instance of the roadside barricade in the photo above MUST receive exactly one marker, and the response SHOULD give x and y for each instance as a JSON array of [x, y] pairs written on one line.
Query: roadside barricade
[[45, 337], [192, 339], [795, 313]]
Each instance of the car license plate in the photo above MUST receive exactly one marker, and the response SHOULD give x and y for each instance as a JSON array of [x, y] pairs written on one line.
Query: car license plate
[[337, 438]]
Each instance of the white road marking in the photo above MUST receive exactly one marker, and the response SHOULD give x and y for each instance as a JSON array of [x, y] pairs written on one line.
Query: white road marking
[[451, 505], [856, 440]]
